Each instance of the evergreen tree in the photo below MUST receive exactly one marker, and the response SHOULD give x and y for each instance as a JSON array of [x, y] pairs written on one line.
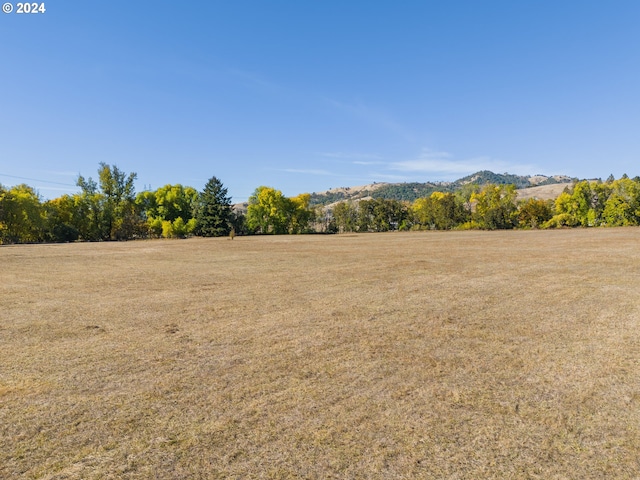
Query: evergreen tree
[[214, 213]]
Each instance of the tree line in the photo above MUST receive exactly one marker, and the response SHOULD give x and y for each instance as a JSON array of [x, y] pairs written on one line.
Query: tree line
[[496, 207], [110, 209]]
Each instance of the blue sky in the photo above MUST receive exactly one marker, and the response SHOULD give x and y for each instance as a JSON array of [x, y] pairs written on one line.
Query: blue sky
[[306, 95]]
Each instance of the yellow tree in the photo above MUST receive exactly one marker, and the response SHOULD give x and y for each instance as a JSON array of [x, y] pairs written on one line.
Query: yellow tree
[[60, 219], [170, 210], [267, 211], [533, 213], [495, 207], [270, 211], [622, 207], [22, 218], [441, 211], [300, 214]]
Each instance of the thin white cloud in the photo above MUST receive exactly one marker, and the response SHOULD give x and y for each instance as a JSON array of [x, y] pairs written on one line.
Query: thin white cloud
[[52, 189], [252, 79], [307, 171], [368, 163], [60, 173], [351, 156], [443, 163], [387, 177], [374, 116]]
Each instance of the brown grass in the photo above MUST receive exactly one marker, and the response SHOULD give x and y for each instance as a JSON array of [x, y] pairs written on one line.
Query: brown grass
[[543, 192], [418, 355]]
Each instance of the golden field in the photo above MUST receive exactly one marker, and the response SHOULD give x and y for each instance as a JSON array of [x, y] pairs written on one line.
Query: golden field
[[457, 355]]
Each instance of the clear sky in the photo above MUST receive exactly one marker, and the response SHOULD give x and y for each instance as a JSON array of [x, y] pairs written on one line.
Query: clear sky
[[306, 95]]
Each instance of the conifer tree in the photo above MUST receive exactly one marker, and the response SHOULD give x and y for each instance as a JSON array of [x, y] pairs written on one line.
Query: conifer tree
[[214, 213]]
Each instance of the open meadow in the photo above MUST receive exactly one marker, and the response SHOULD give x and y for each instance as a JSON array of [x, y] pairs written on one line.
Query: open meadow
[[455, 355]]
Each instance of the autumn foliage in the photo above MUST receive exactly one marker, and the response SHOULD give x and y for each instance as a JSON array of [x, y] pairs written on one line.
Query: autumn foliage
[[109, 209]]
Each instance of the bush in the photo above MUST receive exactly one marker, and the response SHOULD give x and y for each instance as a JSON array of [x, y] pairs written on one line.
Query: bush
[[472, 225]]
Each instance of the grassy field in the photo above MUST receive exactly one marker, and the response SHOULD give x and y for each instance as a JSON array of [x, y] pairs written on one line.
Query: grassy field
[[457, 355]]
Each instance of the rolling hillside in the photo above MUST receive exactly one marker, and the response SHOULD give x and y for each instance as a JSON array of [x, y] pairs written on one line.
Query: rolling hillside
[[542, 186]]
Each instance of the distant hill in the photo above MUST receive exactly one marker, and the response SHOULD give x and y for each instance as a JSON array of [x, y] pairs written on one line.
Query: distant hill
[[542, 192], [411, 191]]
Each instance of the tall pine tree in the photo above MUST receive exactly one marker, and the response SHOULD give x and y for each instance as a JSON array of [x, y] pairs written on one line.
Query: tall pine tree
[[214, 213]]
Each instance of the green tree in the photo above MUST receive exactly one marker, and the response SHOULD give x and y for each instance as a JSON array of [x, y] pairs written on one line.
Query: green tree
[[365, 216], [60, 218], [580, 203], [270, 211], [3, 192], [239, 223], [214, 216], [165, 206], [534, 213], [381, 215], [3, 222], [582, 206], [88, 211], [156, 226], [563, 216], [267, 211], [619, 212], [622, 207], [600, 192], [175, 201], [441, 211], [121, 218], [177, 228], [345, 215], [300, 215], [495, 207], [108, 212], [147, 204], [22, 215]]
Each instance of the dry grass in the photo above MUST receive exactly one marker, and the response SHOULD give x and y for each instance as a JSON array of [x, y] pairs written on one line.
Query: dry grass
[[543, 192], [418, 355]]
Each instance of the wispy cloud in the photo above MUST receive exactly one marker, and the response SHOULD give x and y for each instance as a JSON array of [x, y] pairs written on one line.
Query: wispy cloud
[[30, 179], [387, 177], [309, 171], [52, 189], [360, 162], [252, 79], [351, 155], [60, 173], [443, 164], [354, 168], [374, 116]]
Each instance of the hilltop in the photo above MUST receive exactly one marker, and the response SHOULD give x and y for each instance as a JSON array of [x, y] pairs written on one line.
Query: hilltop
[[540, 186]]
